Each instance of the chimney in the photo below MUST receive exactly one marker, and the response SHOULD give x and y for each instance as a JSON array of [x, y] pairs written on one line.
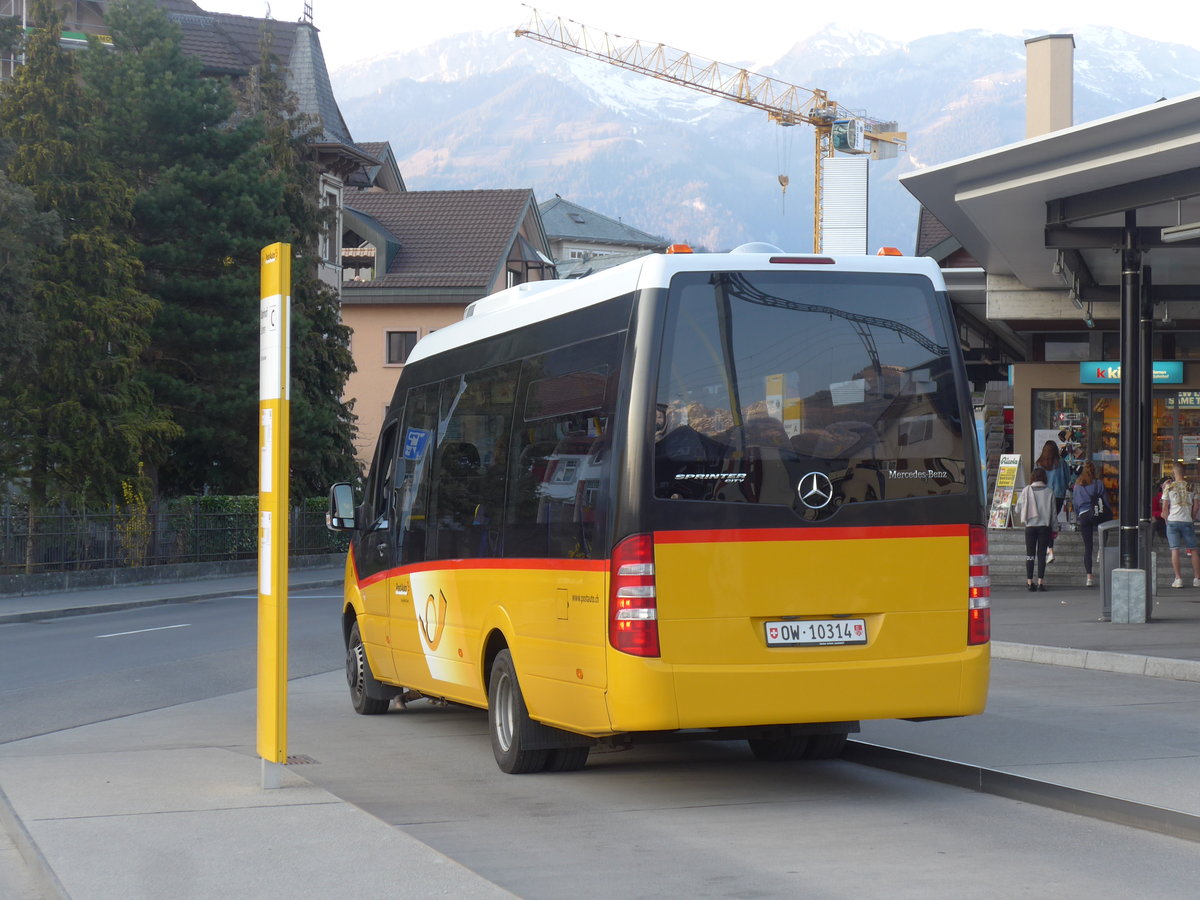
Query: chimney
[[1049, 83]]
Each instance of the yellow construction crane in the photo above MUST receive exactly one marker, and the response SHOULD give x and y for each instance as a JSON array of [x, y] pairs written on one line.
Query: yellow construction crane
[[836, 128]]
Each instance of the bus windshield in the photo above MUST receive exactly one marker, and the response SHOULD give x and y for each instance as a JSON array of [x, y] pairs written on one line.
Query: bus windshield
[[767, 376]]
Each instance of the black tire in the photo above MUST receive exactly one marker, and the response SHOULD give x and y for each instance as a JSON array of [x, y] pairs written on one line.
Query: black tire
[[358, 676], [508, 721], [782, 749], [567, 759], [825, 746]]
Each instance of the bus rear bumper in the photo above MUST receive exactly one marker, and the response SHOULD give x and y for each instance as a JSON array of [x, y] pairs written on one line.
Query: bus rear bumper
[[710, 696]]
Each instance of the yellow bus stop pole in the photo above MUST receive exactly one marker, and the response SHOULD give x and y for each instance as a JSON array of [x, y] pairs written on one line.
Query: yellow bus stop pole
[[274, 370]]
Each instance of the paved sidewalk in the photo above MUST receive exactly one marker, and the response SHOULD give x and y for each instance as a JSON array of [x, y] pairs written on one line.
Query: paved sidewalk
[[136, 807], [1061, 626]]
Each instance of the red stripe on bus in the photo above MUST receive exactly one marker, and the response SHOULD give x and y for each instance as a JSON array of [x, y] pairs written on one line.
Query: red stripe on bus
[[755, 535], [511, 565], [710, 536]]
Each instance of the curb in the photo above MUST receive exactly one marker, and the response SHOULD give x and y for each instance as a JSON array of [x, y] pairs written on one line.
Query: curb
[[118, 605], [1129, 813], [35, 861], [1100, 661]]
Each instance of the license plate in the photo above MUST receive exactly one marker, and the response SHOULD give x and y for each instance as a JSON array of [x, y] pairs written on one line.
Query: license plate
[[816, 632]]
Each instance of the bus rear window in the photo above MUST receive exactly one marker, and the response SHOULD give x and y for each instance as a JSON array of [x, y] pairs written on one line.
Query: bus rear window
[[768, 376]]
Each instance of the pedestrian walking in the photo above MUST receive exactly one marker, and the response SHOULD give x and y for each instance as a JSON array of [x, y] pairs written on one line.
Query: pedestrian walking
[[1058, 479], [1035, 506], [1179, 509], [1090, 498]]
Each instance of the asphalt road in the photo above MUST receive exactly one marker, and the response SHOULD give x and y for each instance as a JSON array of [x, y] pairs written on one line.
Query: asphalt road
[[60, 673]]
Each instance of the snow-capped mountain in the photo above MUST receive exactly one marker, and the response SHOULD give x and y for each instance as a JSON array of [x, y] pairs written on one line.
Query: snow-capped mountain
[[493, 110]]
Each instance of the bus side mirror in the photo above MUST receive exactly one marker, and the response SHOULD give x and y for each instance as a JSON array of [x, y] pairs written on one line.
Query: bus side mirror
[[340, 515]]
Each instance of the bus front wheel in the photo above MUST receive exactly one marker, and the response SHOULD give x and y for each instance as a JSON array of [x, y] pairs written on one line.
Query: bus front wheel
[[358, 676], [508, 721]]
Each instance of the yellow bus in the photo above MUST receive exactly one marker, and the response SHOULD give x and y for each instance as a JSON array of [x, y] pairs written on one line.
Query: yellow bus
[[723, 496]]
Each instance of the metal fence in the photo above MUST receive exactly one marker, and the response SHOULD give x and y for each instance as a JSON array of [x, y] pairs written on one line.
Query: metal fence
[[62, 539]]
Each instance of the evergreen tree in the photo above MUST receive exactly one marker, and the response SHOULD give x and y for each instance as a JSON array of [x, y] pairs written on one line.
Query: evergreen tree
[[10, 36], [213, 189], [322, 434], [206, 204], [90, 421], [23, 231]]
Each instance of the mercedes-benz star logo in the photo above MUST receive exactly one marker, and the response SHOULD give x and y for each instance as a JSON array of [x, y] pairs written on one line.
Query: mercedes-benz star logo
[[815, 490]]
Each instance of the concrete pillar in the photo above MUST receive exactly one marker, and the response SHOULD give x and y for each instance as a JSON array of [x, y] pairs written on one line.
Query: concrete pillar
[[1128, 596]]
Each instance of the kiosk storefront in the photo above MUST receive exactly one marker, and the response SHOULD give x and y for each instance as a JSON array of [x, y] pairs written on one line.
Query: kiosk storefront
[[1078, 406]]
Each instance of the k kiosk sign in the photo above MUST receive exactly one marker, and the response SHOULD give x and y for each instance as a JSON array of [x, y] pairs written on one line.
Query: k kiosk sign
[[1165, 372]]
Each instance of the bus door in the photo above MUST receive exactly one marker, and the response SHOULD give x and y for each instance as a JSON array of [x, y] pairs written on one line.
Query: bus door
[[374, 553], [417, 436], [460, 493]]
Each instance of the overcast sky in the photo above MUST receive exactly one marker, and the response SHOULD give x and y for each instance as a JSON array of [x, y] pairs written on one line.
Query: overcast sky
[[362, 29]]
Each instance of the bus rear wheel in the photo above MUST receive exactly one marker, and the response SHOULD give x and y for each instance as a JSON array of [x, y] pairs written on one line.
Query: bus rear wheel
[[781, 749], [508, 721], [567, 759], [825, 746], [358, 676]]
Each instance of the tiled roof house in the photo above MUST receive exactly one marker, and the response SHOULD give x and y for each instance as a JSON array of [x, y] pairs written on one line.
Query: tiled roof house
[[583, 240], [414, 260], [386, 175], [935, 240]]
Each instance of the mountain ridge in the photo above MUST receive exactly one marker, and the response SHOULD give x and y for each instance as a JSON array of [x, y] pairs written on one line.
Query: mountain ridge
[[489, 110]]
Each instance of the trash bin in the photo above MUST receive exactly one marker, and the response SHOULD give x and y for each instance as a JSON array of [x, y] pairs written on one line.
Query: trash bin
[[1110, 558]]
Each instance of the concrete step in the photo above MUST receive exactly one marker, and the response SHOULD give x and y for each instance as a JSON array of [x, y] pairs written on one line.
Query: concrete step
[[1006, 550]]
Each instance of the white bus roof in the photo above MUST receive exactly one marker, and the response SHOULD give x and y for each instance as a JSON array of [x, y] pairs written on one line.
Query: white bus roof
[[536, 301]]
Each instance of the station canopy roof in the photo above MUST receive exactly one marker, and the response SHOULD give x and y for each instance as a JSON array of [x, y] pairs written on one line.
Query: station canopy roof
[[1050, 211]]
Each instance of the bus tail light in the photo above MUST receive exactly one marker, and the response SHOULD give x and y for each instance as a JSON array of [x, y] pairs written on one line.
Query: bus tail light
[[979, 590], [633, 600]]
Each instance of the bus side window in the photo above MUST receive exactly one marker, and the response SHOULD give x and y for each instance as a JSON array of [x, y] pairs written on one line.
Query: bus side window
[[476, 412], [558, 481], [380, 484], [417, 436], [374, 550]]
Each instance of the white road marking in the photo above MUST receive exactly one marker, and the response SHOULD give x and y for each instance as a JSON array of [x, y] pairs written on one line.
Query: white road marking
[[143, 630]]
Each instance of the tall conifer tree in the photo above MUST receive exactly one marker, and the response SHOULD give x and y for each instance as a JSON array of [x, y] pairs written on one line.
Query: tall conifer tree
[[206, 203], [90, 420], [23, 231]]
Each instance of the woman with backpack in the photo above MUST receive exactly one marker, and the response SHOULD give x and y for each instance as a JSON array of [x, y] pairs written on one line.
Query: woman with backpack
[[1091, 508], [1058, 479], [1179, 509]]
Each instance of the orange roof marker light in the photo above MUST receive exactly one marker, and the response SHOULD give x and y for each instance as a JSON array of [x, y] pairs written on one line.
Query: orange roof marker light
[[888, 251], [679, 248]]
